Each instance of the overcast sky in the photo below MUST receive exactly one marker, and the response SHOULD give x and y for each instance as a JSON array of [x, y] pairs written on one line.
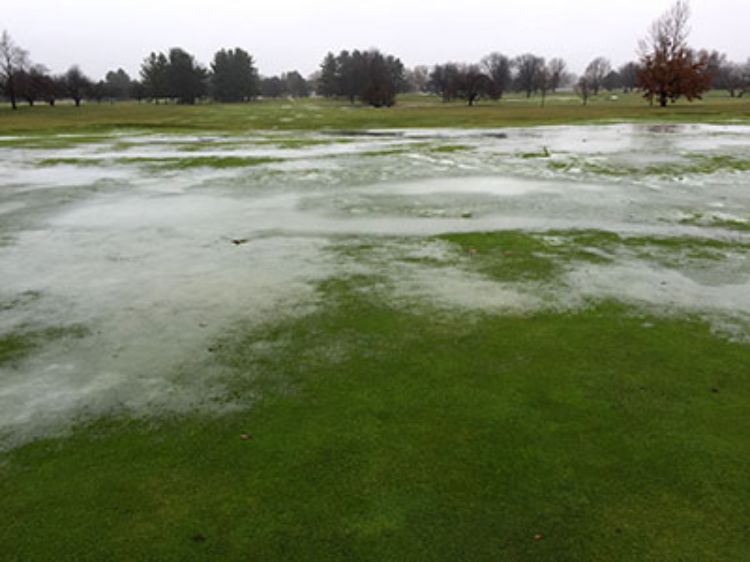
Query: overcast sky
[[100, 35]]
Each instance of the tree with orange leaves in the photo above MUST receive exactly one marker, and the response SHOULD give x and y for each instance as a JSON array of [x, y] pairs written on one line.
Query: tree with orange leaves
[[669, 67]]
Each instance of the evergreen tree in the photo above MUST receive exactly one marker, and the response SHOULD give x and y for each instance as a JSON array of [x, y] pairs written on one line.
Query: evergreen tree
[[117, 84], [296, 85], [234, 76], [154, 76], [328, 83], [186, 79]]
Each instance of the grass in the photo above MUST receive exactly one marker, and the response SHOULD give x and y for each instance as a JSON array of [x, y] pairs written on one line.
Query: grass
[[407, 433], [384, 431], [714, 222], [18, 344], [318, 114], [217, 162], [697, 164]]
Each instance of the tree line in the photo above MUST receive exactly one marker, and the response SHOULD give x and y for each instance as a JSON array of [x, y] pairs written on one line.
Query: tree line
[[667, 69]]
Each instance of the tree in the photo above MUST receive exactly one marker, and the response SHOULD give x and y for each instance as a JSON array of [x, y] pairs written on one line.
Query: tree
[[327, 85], [596, 72], [272, 87], [472, 83], [669, 68], [77, 84], [295, 84], [154, 76], [137, 90], [418, 79], [528, 67], [13, 60], [98, 91], [556, 69], [32, 83], [628, 75], [612, 81], [186, 79], [117, 84], [234, 77], [368, 76], [54, 87], [382, 78], [725, 75], [583, 89], [498, 69], [544, 81], [445, 81], [347, 81]]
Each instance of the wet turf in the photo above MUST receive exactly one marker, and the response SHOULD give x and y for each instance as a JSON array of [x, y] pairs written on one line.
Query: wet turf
[[388, 434], [431, 349]]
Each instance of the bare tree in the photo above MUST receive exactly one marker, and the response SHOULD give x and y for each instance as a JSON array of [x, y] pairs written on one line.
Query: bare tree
[[418, 78], [583, 89], [77, 84], [445, 81], [13, 60], [499, 70], [544, 82], [669, 68], [31, 83], [596, 72], [472, 83], [556, 69], [725, 75], [528, 67]]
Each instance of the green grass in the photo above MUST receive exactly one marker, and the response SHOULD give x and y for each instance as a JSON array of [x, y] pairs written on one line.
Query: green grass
[[699, 220], [318, 114], [698, 164], [185, 163], [18, 344], [407, 433]]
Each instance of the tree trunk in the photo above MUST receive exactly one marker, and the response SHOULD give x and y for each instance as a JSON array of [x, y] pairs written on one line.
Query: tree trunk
[[78, 102], [11, 88], [663, 99]]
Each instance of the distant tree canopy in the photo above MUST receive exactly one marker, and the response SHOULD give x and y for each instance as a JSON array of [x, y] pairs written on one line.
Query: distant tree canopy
[[497, 74], [670, 69], [234, 76], [368, 76]]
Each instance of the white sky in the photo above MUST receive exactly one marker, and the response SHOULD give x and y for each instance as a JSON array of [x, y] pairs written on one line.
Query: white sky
[[100, 35]]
